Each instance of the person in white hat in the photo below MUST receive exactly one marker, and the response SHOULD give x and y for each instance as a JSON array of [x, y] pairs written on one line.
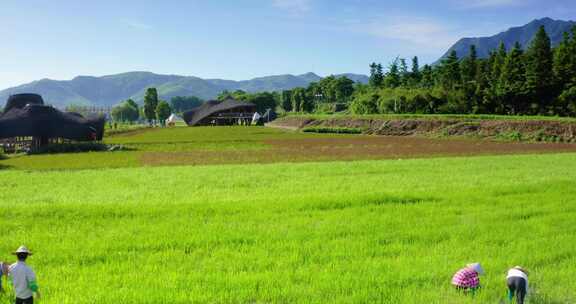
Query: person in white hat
[[517, 281], [23, 278]]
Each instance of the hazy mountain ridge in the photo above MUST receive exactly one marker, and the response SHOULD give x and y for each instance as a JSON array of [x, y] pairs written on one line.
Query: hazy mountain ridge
[[110, 90], [522, 34]]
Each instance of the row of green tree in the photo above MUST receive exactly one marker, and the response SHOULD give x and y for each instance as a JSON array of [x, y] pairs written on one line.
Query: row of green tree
[[154, 110], [318, 96], [328, 95], [538, 81]]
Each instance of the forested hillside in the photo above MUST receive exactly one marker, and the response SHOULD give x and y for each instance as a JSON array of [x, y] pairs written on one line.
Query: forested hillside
[[538, 81]]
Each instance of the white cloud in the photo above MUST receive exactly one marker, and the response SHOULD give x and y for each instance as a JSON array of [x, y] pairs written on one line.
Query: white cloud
[[470, 4], [137, 25], [417, 31], [294, 6]]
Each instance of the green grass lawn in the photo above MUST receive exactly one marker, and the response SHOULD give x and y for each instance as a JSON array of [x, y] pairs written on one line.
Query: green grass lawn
[[336, 232]]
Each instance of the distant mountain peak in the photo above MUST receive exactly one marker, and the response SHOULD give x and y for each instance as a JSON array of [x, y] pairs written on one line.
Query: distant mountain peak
[[309, 74], [522, 34], [311, 77], [544, 19]]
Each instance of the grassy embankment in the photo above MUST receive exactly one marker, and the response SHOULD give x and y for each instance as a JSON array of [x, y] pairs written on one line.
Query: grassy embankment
[[357, 232], [491, 127], [432, 117]]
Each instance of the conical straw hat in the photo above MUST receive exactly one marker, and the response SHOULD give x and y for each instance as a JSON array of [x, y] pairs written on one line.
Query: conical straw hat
[[22, 249], [477, 267]]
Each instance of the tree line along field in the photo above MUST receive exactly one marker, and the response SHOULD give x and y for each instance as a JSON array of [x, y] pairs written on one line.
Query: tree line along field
[[385, 231]]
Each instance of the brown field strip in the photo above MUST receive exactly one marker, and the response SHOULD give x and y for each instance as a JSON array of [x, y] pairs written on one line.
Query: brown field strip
[[352, 148]]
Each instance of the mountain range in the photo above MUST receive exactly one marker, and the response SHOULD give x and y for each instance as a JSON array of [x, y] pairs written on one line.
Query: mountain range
[[112, 89], [523, 35]]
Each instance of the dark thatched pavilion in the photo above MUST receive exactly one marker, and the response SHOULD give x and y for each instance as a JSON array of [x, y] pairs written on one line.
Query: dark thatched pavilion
[[27, 119], [214, 112]]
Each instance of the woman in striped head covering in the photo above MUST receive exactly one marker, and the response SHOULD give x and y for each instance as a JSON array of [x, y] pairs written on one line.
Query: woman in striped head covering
[[468, 278]]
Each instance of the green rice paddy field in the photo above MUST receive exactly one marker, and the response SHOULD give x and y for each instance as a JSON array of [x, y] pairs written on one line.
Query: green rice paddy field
[[110, 228]]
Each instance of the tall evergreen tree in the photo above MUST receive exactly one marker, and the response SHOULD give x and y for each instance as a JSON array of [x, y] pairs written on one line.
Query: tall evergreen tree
[[286, 100], [497, 64], [415, 74], [150, 104], [492, 100], [376, 75], [470, 65], [427, 77], [450, 71], [572, 47], [539, 71], [393, 79], [404, 74], [511, 86], [564, 69], [481, 101], [564, 66]]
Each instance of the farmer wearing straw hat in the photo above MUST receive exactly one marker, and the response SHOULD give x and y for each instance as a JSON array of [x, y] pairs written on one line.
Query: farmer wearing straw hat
[[517, 281], [467, 279], [23, 278]]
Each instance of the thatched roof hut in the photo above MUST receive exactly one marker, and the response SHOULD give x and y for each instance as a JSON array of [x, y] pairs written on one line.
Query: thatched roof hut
[[219, 112], [21, 100], [25, 115]]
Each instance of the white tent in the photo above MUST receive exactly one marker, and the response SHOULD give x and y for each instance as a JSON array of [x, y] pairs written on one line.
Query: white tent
[[256, 118], [173, 119]]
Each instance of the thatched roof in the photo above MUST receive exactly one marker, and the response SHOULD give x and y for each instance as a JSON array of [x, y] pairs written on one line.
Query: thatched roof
[[21, 100], [212, 107], [26, 115]]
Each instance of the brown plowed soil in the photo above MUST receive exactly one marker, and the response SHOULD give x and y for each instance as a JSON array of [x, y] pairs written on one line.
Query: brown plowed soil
[[520, 130], [353, 148]]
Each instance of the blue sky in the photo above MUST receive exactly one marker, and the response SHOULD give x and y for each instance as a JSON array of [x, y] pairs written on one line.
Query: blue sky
[[241, 39]]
